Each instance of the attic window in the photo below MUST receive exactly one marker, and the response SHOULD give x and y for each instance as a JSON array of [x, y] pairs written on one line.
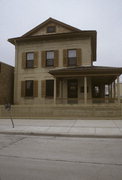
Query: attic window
[[51, 29]]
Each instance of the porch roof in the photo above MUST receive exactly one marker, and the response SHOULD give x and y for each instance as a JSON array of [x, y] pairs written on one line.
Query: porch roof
[[86, 71], [99, 74]]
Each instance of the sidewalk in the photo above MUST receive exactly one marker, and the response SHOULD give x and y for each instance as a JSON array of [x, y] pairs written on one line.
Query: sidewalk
[[66, 128]]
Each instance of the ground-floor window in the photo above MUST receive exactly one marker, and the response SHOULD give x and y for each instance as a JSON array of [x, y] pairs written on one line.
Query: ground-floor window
[[49, 88], [29, 88]]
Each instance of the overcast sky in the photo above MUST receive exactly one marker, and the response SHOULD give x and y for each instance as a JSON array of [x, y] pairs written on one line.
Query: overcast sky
[[105, 16]]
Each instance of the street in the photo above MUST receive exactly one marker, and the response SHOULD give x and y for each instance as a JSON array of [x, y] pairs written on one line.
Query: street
[[49, 158]]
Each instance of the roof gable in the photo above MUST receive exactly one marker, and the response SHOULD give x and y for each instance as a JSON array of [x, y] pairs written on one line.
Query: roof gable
[[41, 29]]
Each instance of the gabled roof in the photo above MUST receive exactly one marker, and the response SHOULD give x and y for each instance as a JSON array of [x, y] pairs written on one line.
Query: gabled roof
[[50, 20], [73, 33]]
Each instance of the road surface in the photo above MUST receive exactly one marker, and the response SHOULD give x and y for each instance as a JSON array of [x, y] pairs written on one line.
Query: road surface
[[59, 158]]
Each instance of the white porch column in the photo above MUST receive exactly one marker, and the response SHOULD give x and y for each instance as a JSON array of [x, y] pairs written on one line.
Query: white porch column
[[55, 91], [85, 90], [118, 89]]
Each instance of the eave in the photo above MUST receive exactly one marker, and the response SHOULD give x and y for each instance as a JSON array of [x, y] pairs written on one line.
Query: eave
[[87, 71]]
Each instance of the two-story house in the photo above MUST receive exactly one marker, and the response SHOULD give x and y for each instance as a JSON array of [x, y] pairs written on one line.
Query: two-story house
[[54, 64]]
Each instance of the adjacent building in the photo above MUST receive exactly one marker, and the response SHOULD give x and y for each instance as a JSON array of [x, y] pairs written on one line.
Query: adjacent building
[[54, 64], [6, 83]]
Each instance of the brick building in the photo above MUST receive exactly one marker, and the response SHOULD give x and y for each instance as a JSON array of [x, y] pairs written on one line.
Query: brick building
[[6, 83]]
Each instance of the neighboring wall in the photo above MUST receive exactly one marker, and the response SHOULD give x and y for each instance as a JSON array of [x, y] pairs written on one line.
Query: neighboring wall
[[6, 83], [41, 73]]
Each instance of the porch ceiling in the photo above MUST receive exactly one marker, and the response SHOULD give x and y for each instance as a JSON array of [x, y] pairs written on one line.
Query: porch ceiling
[[103, 79]]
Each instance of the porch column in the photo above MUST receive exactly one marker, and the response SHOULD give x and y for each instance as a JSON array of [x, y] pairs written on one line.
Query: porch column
[[85, 90], [55, 91], [118, 89]]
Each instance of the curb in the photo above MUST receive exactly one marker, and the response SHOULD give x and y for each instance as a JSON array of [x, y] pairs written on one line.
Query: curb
[[63, 135]]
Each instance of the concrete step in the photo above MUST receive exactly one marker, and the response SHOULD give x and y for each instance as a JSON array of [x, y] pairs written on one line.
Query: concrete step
[[62, 111]]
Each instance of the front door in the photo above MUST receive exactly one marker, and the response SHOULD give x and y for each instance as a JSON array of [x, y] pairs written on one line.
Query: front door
[[72, 91]]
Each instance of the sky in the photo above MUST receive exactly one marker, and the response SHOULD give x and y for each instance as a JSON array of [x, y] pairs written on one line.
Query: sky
[[105, 16]]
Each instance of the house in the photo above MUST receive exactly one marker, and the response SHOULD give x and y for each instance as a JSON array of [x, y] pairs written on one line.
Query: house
[[6, 83], [54, 64]]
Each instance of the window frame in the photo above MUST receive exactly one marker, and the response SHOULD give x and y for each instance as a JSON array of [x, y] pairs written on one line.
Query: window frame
[[29, 60], [31, 93], [50, 59], [72, 58]]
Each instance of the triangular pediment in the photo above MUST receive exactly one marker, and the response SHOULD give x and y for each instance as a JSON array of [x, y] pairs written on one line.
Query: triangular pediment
[[51, 26]]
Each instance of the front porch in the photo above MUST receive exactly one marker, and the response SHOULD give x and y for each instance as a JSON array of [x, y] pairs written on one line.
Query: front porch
[[86, 85]]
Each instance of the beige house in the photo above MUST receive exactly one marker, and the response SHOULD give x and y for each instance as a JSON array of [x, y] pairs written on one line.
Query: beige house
[[6, 83], [54, 64]]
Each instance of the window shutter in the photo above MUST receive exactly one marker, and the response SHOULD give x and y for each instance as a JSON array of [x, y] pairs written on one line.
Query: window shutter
[[24, 60], [43, 88], [22, 88], [43, 58], [35, 59], [56, 58], [79, 57], [65, 58], [57, 87], [35, 88]]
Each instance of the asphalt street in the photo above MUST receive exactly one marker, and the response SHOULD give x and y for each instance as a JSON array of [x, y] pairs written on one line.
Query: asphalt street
[[50, 158]]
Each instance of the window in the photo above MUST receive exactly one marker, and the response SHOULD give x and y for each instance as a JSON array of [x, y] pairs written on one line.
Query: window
[[49, 88], [29, 88], [72, 58], [29, 60], [51, 29], [50, 58]]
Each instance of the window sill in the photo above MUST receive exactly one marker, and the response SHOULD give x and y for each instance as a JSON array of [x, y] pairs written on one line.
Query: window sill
[[30, 68], [49, 97], [27, 97]]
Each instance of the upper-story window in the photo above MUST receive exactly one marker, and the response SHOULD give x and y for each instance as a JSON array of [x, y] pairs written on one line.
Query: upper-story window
[[72, 57], [29, 60], [50, 58], [51, 29]]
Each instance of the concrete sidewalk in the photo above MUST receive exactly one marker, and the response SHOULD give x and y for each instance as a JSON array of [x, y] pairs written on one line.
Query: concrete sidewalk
[[68, 128]]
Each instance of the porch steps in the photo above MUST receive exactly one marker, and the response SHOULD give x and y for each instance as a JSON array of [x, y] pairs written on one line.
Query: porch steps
[[66, 111]]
